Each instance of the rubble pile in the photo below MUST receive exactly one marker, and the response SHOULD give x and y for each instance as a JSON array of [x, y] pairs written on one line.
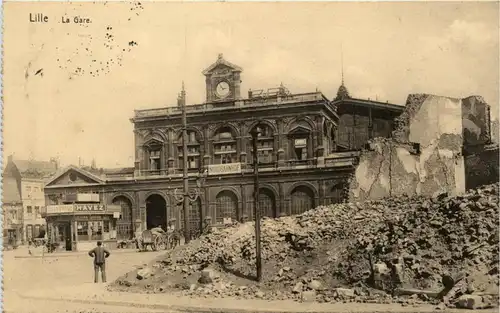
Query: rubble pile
[[404, 247]]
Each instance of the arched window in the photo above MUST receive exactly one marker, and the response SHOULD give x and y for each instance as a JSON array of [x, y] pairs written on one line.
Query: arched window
[[267, 203], [302, 199], [226, 206], [193, 149], [265, 145], [337, 193], [224, 144], [194, 216]]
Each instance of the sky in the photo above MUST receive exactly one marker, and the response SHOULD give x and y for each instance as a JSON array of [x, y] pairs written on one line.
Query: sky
[[70, 89]]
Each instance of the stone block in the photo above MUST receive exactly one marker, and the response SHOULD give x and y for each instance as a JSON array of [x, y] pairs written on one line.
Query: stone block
[[308, 296], [344, 293], [144, 273], [471, 302]]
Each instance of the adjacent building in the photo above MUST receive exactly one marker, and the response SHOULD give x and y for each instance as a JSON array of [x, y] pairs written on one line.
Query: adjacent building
[[24, 197], [307, 150]]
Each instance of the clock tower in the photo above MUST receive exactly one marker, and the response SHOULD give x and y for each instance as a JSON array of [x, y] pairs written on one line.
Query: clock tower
[[222, 81]]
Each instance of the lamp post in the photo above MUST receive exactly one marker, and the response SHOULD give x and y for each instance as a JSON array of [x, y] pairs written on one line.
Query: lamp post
[[188, 196], [185, 176], [258, 260]]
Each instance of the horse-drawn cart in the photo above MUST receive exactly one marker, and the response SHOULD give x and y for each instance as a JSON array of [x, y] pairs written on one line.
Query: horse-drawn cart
[[154, 240]]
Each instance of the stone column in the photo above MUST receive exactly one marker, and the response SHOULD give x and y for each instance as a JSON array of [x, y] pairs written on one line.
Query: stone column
[[281, 200], [243, 203], [74, 226], [206, 144], [171, 151]]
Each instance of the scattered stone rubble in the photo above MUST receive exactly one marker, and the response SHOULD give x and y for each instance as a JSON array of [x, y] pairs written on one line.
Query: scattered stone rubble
[[443, 250]]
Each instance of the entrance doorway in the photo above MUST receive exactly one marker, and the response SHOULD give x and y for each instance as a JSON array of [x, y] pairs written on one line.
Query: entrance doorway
[[63, 235], [156, 212]]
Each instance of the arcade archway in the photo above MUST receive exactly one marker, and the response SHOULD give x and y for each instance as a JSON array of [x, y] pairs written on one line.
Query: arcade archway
[[267, 203], [124, 225], [156, 212], [302, 199]]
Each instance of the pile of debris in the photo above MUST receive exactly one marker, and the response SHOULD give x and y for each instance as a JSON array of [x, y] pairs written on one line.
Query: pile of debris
[[406, 249]]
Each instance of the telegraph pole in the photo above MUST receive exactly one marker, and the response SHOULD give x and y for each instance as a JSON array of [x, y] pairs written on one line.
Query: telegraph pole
[[258, 260], [185, 176]]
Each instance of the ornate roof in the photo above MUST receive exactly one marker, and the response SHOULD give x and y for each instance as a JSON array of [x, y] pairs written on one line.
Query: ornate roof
[[221, 60], [342, 93]]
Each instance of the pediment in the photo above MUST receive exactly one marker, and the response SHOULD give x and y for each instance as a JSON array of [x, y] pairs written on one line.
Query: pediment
[[153, 140], [74, 176], [299, 129], [221, 66]]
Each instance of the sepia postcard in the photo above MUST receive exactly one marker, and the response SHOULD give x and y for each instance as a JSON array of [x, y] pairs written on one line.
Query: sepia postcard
[[250, 156]]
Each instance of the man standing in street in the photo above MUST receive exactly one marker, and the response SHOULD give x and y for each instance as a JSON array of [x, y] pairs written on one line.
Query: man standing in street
[[100, 254]]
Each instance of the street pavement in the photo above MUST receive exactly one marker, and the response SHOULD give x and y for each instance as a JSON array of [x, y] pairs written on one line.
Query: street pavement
[[64, 283], [25, 274]]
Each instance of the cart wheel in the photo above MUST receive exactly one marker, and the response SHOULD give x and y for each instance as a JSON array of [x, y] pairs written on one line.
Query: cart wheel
[[159, 243]]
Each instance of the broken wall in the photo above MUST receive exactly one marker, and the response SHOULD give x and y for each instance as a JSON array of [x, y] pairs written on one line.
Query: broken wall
[[423, 158], [481, 168], [476, 121]]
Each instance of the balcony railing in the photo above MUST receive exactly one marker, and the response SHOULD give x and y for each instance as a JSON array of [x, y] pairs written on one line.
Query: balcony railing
[[254, 102], [337, 159]]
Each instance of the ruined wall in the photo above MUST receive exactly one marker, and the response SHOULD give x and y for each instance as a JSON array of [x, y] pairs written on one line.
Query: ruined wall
[[482, 168], [423, 158], [476, 121]]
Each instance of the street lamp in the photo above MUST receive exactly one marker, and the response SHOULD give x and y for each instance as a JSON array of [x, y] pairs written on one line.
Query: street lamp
[[255, 132]]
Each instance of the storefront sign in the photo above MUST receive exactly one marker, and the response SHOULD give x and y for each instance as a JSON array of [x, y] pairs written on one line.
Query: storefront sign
[[82, 197], [221, 169], [299, 143], [92, 218], [57, 209], [90, 207]]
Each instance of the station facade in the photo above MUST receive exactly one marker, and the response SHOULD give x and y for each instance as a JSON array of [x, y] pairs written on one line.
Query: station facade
[[307, 150]]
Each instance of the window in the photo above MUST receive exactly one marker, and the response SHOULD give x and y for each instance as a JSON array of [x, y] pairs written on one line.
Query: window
[[29, 231], [82, 230], [300, 146], [37, 211], [29, 209], [35, 189], [96, 230], [106, 226], [28, 188], [36, 233], [226, 158], [154, 159]]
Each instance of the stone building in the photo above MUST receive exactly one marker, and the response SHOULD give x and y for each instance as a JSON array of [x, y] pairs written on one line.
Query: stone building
[[24, 197], [307, 151]]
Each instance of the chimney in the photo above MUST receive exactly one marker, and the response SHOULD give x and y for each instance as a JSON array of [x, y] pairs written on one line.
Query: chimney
[[10, 158], [249, 93]]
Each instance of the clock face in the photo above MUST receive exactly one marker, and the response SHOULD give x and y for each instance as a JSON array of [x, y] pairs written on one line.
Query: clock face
[[222, 89]]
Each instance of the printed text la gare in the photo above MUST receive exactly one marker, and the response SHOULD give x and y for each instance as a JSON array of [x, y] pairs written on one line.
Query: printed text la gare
[[42, 18]]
